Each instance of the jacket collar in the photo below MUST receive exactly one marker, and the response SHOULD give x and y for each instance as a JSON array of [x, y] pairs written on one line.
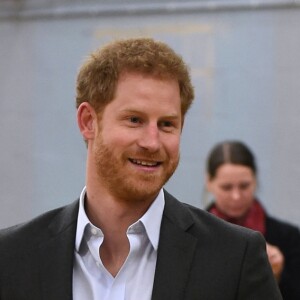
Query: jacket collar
[[56, 255], [172, 271], [175, 251]]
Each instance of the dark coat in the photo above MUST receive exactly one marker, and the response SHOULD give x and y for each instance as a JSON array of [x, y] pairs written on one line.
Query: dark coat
[[287, 238], [199, 257]]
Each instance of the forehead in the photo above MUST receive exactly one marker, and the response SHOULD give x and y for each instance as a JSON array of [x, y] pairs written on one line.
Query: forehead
[[234, 172], [136, 87], [126, 77]]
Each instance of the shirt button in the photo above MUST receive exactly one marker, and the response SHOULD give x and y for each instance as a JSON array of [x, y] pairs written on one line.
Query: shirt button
[[94, 231]]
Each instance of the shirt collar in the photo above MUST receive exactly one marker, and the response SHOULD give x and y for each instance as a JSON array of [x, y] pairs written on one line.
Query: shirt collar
[[82, 220], [151, 219]]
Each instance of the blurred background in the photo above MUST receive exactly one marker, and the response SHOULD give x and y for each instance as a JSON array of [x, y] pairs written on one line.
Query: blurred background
[[244, 58]]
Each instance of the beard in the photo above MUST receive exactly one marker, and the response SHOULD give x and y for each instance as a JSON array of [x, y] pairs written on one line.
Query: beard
[[118, 174]]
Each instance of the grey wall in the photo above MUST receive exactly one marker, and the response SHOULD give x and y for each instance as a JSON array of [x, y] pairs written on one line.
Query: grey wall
[[245, 68]]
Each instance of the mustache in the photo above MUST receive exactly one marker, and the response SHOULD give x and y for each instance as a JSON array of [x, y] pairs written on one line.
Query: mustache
[[159, 156], [146, 155]]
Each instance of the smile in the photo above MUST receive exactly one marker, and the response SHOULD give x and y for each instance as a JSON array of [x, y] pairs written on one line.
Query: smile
[[145, 163]]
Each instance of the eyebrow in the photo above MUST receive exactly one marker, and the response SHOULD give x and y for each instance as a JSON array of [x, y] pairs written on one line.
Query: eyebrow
[[135, 111]]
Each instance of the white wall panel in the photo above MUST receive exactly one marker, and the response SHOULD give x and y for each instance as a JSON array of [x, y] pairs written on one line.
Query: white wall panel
[[245, 68]]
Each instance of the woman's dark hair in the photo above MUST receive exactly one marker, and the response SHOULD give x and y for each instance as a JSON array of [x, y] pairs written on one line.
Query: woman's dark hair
[[233, 152]]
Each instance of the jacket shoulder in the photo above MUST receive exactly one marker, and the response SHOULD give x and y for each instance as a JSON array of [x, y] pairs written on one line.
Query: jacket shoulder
[[30, 233], [204, 225], [226, 257]]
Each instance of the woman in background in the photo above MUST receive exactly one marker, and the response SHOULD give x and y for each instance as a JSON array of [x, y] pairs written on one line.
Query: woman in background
[[232, 179]]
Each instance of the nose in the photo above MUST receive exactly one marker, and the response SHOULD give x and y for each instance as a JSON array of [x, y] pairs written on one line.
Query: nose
[[236, 194], [149, 138]]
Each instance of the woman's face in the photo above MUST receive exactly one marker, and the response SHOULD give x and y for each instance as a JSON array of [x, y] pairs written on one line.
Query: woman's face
[[233, 188]]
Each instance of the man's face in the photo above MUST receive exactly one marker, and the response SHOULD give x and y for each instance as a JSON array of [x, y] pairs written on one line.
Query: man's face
[[137, 142]]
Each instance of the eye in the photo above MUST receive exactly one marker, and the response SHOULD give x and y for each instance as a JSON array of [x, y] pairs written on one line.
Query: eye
[[168, 125], [134, 119], [244, 186], [226, 187]]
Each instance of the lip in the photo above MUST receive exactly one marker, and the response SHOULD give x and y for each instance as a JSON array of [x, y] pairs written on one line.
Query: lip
[[146, 163]]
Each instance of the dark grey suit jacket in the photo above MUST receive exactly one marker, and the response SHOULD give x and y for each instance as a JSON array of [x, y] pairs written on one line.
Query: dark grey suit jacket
[[199, 257]]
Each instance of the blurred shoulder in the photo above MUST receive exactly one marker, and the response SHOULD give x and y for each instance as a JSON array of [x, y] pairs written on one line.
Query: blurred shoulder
[[280, 225], [282, 233]]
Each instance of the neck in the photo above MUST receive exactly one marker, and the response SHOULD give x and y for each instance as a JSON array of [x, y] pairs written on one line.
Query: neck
[[105, 211], [113, 217]]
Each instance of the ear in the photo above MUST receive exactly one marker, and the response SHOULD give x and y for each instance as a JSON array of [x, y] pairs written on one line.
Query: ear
[[255, 183], [86, 118], [208, 183]]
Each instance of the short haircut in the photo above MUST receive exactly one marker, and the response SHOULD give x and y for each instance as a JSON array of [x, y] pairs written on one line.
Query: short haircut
[[98, 77]]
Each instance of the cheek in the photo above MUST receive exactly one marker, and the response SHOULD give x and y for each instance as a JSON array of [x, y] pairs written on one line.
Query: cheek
[[222, 202], [250, 195], [174, 149], [117, 138], [172, 146], [222, 197]]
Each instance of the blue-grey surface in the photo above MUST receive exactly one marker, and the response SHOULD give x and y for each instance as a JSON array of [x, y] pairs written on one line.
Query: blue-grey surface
[[245, 68]]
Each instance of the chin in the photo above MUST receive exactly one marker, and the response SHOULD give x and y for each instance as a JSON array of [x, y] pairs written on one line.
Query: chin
[[146, 193], [137, 193], [237, 215]]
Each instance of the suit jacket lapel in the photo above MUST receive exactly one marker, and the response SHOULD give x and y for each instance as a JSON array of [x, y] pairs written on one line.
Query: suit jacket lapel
[[56, 255], [175, 252], [174, 260]]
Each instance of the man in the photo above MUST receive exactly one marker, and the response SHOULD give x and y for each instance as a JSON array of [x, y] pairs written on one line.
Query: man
[[127, 238]]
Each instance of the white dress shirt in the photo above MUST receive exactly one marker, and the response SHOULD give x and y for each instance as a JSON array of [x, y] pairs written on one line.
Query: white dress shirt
[[135, 279]]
